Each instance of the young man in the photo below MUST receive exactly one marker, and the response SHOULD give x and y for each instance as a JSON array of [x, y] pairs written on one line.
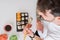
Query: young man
[[48, 28]]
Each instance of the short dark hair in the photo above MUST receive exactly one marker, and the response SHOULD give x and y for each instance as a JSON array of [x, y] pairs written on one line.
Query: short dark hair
[[54, 5]]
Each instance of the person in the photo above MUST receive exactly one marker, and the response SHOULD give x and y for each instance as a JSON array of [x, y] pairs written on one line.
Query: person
[[48, 22]]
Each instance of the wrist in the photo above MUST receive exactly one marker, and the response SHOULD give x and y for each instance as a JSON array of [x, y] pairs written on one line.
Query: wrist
[[32, 36]]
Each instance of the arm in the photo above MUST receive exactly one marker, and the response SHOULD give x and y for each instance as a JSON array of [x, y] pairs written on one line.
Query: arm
[[30, 33], [37, 38]]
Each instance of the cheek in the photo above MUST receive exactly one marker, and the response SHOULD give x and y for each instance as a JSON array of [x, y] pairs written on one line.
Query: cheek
[[49, 17], [57, 21]]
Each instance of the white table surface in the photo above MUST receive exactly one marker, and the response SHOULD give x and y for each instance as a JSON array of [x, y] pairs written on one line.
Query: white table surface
[[8, 9]]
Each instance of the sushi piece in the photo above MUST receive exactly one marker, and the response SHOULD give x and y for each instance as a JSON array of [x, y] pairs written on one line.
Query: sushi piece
[[21, 20]]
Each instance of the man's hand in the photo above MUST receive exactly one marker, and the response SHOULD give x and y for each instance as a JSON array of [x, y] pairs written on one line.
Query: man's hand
[[27, 30]]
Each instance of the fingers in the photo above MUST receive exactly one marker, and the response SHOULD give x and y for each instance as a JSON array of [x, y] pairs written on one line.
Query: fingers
[[28, 32], [28, 26], [26, 29]]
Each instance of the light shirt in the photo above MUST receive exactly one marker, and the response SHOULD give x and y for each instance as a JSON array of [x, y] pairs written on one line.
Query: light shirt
[[51, 31]]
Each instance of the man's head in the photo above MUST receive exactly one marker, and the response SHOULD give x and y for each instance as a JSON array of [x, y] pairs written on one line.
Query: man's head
[[49, 10]]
